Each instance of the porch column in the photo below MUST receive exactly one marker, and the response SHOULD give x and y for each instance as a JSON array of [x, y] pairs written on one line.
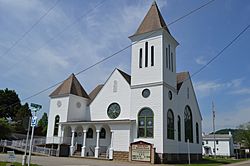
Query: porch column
[[72, 142], [111, 149], [84, 143], [62, 135], [97, 144]]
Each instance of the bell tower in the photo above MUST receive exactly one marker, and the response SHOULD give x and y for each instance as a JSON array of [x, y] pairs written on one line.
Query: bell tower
[[153, 58]]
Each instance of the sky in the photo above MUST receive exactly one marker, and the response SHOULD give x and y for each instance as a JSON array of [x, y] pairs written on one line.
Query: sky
[[76, 34]]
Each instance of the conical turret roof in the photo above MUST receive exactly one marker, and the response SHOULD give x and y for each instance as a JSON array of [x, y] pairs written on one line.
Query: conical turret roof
[[70, 86], [152, 21]]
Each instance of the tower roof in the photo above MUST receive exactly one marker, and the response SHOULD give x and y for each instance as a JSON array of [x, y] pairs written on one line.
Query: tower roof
[[70, 86], [152, 21]]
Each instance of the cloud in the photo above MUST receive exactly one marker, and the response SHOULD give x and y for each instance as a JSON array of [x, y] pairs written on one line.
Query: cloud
[[242, 91], [205, 88], [200, 60]]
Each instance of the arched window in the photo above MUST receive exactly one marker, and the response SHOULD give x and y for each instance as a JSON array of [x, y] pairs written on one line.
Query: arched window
[[146, 123], [152, 56], [188, 124], [170, 124], [179, 128], [140, 58], [103, 133], [197, 133], [115, 86], [169, 66], [56, 125], [146, 54], [89, 133]]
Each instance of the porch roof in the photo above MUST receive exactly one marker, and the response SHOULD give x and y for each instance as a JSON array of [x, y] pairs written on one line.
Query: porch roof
[[97, 122]]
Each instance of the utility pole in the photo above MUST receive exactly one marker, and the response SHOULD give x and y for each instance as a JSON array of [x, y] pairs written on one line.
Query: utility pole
[[213, 110]]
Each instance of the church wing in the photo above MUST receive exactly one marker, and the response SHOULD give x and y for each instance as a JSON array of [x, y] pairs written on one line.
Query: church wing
[[112, 102]]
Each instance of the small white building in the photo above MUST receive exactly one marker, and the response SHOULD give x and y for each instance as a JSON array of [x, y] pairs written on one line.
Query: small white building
[[154, 104], [223, 145]]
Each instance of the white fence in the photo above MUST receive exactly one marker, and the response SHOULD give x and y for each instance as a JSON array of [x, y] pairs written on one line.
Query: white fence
[[20, 144]]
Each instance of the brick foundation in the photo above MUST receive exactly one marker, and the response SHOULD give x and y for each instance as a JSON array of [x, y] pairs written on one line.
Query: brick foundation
[[119, 155]]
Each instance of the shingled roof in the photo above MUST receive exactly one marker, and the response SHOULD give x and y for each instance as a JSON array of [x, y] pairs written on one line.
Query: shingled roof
[[70, 86], [126, 76], [152, 21], [95, 92], [181, 77]]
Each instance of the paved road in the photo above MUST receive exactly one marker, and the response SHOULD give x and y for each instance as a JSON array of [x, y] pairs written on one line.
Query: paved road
[[66, 161], [244, 163]]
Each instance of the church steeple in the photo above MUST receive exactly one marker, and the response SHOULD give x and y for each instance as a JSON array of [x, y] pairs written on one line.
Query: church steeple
[[152, 21]]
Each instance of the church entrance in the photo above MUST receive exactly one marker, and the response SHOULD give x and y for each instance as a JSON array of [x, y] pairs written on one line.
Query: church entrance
[[88, 140]]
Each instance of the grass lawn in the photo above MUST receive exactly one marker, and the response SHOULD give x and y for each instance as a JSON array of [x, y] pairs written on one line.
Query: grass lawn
[[15, 164], [213, 162]]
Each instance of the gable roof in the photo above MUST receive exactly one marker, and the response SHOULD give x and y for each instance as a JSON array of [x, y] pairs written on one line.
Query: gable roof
[[126, 76], [152, 21], [181, 77], [95, 91], [70, 86]]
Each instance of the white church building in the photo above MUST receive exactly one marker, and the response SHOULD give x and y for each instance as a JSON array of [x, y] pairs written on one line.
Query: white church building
[[151, 115]]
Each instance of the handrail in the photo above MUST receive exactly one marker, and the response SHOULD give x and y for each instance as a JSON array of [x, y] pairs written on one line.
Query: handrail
[[20, 144], [107, 152]]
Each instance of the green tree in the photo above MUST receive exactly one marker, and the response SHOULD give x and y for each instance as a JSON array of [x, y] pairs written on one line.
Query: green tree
[[244, 134], [9, 103], [42, 125], [5, 128], [12, 110], [21, 118]]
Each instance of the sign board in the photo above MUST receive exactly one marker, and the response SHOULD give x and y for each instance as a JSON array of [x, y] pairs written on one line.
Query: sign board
[[33, 121], [37, 106], [11, 156], [141, 151]]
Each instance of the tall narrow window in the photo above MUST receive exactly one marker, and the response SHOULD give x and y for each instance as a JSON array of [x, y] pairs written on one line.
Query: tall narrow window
[[89, 133], [115, 86], [56, 125], [152, 55], [179, 128], [188, 92], [140, 58], [172, 63], [197, 133], [146, 54], [188, 124], [103, 133], [170, 124], [167, 57], [146, 123]]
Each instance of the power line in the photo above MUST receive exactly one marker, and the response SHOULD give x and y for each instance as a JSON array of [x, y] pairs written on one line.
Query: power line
[[62, 31], [30, 29], [106, 58]]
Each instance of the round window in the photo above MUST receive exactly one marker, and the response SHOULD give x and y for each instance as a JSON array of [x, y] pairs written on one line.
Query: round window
[[78, 105], [146, 93], [59, 103], [170, 95], [114, 110]]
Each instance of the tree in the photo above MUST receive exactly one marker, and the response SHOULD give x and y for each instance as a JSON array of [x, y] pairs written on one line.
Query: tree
[[42, 125], [5, 128], [12, 110], [244, 134], [9, 103], [21, 118]]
